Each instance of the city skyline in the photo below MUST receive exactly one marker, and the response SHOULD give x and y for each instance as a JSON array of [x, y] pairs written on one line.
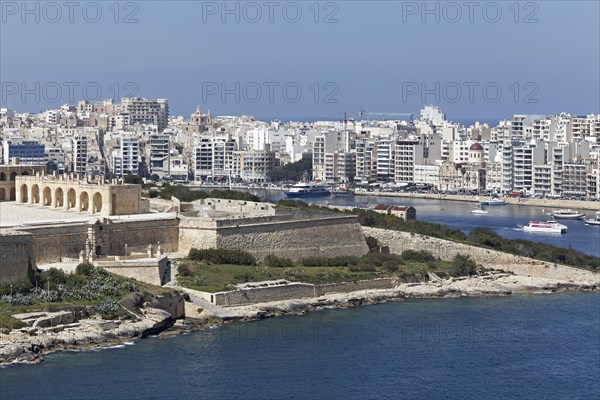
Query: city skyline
[[342, 56]]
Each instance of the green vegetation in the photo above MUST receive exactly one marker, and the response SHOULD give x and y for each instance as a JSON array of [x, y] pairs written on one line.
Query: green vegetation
[[133, 179], [481, 237], [216, 277], [185, 194], [487, 238], [93, 288], [222, 256]]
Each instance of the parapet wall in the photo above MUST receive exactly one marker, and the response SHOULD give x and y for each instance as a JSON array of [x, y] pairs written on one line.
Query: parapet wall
[[329, 236], [446, 250], [16, 252], [293, 291]]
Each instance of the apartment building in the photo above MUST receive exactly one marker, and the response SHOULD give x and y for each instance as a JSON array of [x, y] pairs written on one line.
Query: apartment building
[[143, 111], [253, 165], [29, 151], [213, 156], [160, 153], [80, 154], [407, 154]]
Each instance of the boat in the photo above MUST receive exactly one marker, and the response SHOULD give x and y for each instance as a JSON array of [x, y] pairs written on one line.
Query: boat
[[545, 226], [343, 193], [308, 189], [567, 214], [594, 221], [494, 201], [479, 210]]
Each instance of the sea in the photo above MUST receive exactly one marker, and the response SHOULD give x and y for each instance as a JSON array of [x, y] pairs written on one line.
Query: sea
[[535, 346], [538, 346]]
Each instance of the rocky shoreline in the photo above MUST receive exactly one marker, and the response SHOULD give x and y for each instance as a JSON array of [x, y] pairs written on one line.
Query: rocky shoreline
[[29, 345]]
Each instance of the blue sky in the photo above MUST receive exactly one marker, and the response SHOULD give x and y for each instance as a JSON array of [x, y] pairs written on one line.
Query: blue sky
[[380, 56]]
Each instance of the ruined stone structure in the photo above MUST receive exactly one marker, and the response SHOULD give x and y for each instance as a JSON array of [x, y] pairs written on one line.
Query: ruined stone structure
[[69, 193]]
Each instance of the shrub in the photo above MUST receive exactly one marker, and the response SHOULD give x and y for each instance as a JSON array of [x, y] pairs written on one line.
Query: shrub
[[362, 267], [184, 269], [341, 261], [222, 256], [419, 256], [372, 242], [464, 265], [56, 276], [278, 262], [378, 259], [86, 268], [390, 266]]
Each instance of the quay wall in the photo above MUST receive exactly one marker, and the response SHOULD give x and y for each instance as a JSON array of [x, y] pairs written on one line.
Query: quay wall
[[446, 250], [548, 203]]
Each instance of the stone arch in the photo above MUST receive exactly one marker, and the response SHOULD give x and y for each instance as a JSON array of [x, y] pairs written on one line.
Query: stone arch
[[71, 198], [47, 196], [2, 194], [13, 176], [35, 194], [58, 197], [2, 176], [24, 193], [84, 201], [13, 194], [25, 173], [97, 203]]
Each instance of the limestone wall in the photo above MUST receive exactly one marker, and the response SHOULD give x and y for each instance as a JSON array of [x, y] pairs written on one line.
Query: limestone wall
[[296, 291], [197, 233], [297, 239], [152, 271], [54, 242], [446, 250], [138, 235], [16, 251]]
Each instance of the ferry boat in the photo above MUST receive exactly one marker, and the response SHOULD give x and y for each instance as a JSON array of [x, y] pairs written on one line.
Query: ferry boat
[[545, 226], [595, 221], [567, 214], [308, 189], [494, 201]]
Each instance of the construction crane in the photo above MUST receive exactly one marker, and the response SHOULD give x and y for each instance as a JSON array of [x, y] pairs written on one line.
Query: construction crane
[[381, 114]]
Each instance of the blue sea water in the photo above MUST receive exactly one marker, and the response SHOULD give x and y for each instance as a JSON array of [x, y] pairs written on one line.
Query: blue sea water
[[544, 346]]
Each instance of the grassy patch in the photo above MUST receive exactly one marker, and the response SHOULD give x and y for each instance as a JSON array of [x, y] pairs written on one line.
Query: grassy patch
[[220, 277]]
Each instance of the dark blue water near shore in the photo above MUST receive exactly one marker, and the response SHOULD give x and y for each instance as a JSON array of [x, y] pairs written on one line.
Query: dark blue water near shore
[[542, 346]]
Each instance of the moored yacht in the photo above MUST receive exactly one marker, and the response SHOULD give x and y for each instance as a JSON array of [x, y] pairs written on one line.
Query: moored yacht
[[594, 221], [308, 189], [567, 214]]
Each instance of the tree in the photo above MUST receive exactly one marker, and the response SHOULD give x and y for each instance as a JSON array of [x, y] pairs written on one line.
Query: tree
[[464, 265], [130, 178]]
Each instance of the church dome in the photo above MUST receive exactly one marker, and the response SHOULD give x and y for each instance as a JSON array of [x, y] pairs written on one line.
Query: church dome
[[476, 147]]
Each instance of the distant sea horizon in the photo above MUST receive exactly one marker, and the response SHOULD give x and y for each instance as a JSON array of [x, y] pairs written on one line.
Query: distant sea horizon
[[463, 121]]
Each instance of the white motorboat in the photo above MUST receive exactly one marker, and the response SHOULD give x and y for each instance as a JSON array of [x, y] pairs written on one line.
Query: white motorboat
[[308, 189], [594, 221], [479, 210], [567, 214], [494, 201], [545, 226]]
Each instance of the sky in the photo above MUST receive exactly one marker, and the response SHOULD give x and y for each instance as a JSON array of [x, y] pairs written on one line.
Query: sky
[[306, 59]]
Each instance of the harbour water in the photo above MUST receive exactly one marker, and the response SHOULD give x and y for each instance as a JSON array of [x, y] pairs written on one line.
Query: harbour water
[[504, 220], [542, 346]]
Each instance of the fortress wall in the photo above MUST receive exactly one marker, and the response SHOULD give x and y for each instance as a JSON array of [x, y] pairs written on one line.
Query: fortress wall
[[138, 235], [53, 242], [197, 233], [446, 250], [293, 291], [263, 295], [16, 250], [152, 271], [297, 239]]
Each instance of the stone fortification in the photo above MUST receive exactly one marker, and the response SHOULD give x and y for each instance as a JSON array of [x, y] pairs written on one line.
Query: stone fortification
[[16, 253], [290, 291], [446, 250], [292, 235]]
